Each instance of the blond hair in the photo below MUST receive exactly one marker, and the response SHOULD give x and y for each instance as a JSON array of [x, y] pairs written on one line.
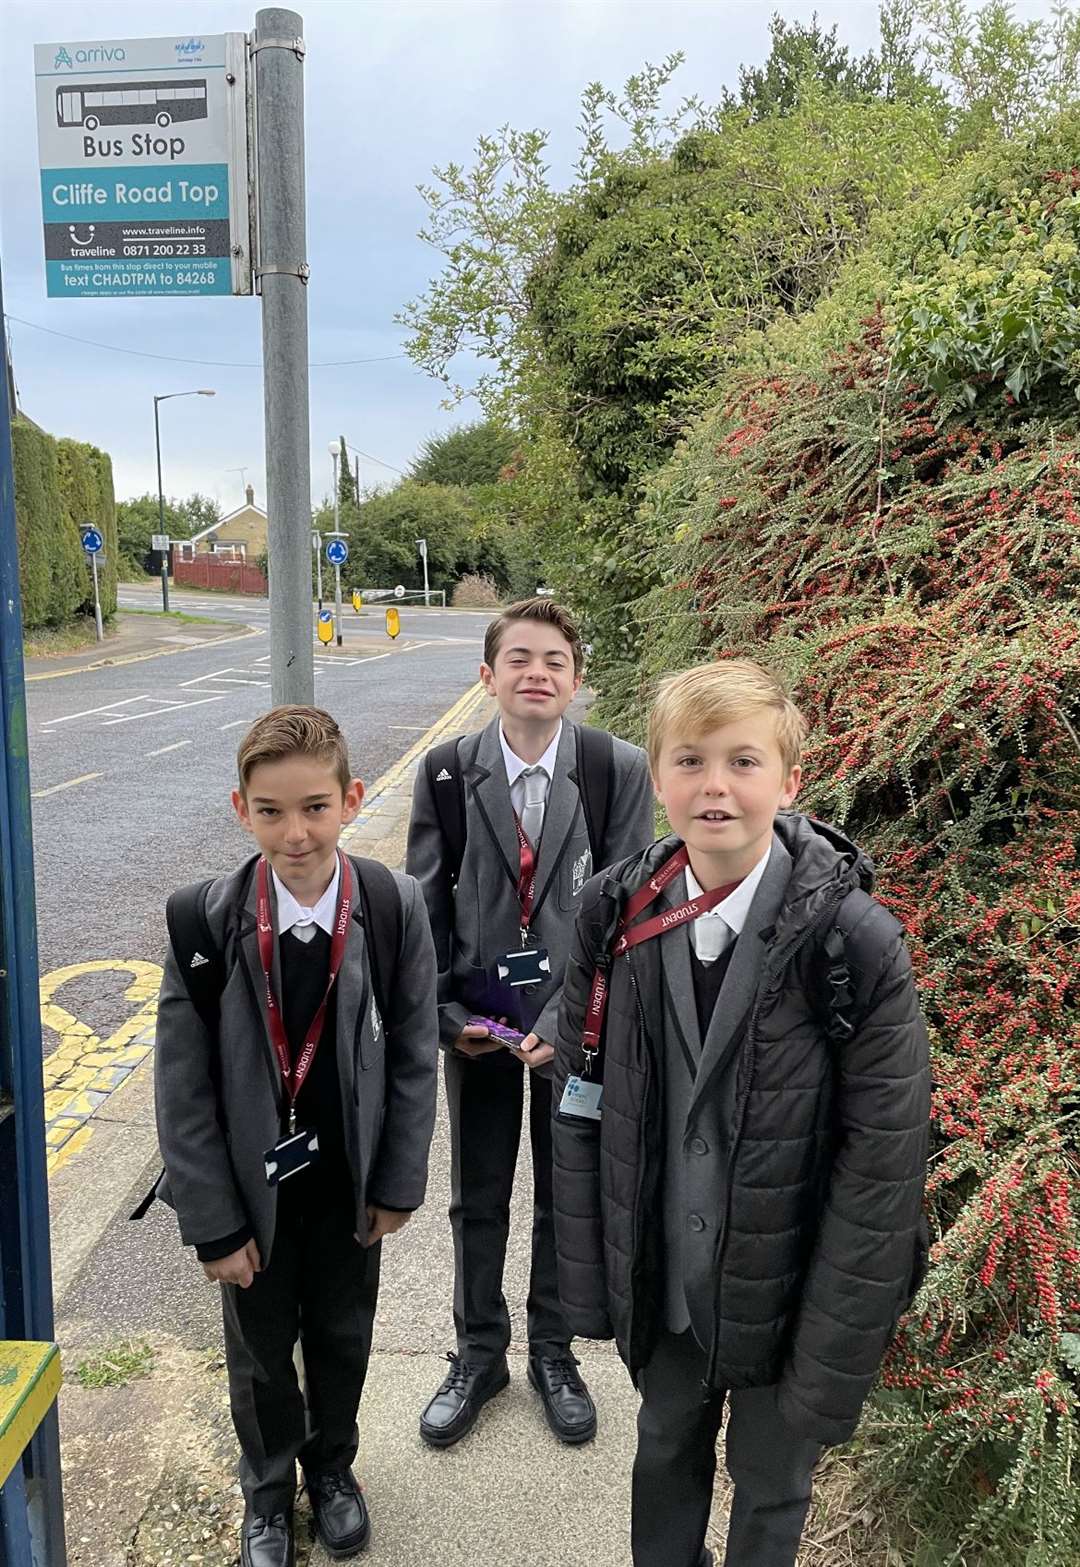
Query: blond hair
[[294, 731], [702, 699]]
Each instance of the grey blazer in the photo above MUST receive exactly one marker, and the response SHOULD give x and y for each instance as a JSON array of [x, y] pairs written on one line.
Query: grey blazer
[[690, 1180], [219, 1103], [479, 922]]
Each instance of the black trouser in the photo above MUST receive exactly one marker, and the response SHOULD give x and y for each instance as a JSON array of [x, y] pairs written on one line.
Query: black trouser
[[486, 1101], [675, 1466], [321, 1287]]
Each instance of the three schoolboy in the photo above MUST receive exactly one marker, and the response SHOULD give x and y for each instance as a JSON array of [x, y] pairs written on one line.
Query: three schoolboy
[[739, 1147]]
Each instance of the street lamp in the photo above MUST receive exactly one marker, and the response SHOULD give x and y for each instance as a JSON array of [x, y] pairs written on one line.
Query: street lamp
[[421, 545], [164, 398], [337, 454]]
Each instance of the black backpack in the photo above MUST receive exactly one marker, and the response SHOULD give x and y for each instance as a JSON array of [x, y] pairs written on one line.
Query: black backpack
[[202, 962], [595, 780]]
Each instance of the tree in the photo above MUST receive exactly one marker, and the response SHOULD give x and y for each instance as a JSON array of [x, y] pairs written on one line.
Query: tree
[[999, 73], [137, 519], [346, 482], [468, 455], [799, 53]]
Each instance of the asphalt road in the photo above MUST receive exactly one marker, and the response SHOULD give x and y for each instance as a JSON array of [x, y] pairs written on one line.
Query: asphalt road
[[132, 766]]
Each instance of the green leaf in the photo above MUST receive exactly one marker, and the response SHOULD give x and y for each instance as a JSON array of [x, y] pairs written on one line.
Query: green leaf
[[1070, 1351]]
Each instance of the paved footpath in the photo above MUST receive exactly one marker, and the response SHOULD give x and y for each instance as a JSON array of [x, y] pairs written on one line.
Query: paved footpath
[[149, 1464]]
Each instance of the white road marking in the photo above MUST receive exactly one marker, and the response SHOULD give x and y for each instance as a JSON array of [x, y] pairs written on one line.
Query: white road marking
[[234, 725], [39, 794], [223, 677], [174, 707], [177, 746], [87, 712]]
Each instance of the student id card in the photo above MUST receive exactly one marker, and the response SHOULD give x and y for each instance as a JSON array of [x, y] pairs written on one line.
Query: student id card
[[289, 1156], [581, 1099]]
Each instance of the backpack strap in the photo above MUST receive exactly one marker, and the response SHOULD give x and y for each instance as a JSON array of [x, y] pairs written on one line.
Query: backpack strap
[[446, 781], [199, 958], [380, 905], [839, 1000], [596, 784]]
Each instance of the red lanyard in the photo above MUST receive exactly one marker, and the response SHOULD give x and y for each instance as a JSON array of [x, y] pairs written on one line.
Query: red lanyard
[[626, 938], [293, 1074], [526, 887]]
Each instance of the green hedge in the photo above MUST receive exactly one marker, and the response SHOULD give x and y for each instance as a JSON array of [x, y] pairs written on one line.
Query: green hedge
[[58, 485]]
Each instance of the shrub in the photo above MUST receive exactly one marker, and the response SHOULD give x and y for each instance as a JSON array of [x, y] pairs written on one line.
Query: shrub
[[475, 591], [916, 580]]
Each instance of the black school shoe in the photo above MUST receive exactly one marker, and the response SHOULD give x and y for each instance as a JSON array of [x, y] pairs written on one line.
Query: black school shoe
[[342, 1521], [457, 1404], [570, 1411], [266, 1540]]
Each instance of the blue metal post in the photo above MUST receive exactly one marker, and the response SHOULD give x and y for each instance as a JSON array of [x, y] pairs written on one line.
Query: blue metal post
[[26, 1304]]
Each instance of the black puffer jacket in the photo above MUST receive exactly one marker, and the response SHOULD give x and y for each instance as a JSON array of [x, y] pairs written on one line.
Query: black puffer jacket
[[819, 1167]]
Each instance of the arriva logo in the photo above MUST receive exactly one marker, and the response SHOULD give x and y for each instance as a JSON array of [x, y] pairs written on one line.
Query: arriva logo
[[191, 46], [101, 54]]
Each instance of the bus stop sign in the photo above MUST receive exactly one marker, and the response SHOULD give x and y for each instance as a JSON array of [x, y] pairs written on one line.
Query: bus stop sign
[[144, 180]]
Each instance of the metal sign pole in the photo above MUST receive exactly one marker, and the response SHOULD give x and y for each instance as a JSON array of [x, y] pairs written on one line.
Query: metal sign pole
[[97, 600], [337, 603], [278, 48]]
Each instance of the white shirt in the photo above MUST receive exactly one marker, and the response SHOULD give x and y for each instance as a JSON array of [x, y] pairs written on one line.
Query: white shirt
[[515, 767], [301, 921], [712, 931]]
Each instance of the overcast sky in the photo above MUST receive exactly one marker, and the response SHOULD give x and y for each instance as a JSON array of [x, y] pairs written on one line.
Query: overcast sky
[[392, 89]]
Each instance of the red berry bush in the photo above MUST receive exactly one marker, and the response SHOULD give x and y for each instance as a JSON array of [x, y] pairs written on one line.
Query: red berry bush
[[915, 575]]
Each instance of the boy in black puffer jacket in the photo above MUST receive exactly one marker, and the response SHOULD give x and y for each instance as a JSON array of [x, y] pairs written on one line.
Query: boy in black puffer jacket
[[740, 1204]]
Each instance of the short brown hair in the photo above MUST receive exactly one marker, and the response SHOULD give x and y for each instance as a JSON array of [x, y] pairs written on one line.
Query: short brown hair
[[294, 731], [704, 698], [549, 614]]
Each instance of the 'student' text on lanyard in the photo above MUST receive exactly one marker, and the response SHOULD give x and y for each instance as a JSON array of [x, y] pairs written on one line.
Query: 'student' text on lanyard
[[294, 1073], [629, 935]]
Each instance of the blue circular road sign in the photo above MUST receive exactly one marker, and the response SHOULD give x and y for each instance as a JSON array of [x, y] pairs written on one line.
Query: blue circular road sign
[[92, 541], [337, 552]]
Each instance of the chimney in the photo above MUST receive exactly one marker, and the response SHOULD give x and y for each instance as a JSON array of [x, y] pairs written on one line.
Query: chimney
[[250, 493]]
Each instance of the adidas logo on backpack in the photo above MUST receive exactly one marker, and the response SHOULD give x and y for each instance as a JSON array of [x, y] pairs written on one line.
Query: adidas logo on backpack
[[443, 777], [198, 960]]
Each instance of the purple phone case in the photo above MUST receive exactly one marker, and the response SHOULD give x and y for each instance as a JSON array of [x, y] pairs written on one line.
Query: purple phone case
[[506, 1036]]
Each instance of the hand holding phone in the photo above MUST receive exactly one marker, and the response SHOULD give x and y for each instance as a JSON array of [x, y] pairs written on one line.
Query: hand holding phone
[[510, 1037]]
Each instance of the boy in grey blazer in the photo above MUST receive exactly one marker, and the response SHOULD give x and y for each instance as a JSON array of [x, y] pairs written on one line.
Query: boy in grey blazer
[[526, 857], [301, 1071]]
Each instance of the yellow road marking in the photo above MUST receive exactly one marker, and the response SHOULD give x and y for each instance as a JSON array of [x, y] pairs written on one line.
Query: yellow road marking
[[39, 794], [83, 1070], [176, 746], [455, 716]]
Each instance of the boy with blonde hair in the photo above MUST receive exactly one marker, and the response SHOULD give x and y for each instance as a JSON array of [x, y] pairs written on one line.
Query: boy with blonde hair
[[741, 1126]]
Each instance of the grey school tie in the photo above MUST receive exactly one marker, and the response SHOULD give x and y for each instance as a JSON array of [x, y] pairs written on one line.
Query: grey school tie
[[532, 811]]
